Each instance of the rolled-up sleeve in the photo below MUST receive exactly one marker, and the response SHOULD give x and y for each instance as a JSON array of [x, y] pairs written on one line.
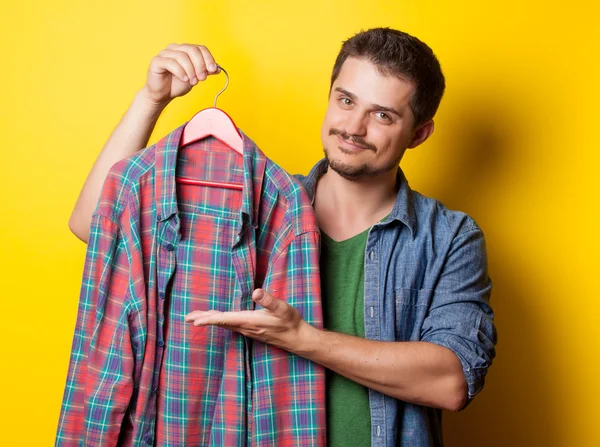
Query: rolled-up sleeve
[[460, 317]]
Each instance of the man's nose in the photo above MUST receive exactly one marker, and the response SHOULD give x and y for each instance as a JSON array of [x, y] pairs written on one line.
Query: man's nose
[[356, 124]]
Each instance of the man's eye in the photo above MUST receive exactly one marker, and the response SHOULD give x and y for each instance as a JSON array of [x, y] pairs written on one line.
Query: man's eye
[[383, 116], [346, 101]]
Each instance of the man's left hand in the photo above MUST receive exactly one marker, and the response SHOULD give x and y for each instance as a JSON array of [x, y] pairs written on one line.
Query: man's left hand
[[278, 323]]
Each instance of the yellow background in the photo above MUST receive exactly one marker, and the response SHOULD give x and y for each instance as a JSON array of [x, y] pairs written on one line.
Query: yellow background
[[516, 146]]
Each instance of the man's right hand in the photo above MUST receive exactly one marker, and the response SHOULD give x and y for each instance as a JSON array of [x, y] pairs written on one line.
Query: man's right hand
[[172, 73], [176, 70]]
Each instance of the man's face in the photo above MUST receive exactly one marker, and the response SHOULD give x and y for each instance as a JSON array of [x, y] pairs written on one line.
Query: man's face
[[369, 123]]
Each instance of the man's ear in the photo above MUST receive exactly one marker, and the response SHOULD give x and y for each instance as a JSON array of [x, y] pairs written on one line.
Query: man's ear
[[421, 134]]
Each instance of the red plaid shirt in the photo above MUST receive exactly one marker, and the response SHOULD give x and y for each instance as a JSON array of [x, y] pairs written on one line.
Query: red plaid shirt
[[139, 374]]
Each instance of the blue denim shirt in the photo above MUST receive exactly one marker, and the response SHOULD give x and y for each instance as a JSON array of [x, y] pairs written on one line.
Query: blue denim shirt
[[425, 280]]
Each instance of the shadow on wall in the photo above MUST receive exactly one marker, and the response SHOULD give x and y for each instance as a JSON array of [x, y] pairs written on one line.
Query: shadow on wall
[[517, 407]]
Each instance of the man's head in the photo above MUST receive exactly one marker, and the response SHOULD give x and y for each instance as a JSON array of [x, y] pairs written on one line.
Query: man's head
[[386, 87]]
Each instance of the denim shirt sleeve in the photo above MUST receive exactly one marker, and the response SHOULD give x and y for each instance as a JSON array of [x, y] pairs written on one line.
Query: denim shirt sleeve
[[460, 317]]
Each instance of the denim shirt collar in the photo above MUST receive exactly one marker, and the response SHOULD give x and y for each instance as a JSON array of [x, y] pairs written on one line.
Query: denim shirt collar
[[403, 210]]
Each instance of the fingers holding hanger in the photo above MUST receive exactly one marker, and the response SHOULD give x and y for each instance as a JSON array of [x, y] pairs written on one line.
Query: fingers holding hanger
[[176, 70], [211, 65], [201, 58], [183, 60], [162, 64]]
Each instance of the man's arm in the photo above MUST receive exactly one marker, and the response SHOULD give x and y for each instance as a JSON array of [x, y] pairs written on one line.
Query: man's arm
[[443, 370], [131, 134], [172, 73], [417, 372]]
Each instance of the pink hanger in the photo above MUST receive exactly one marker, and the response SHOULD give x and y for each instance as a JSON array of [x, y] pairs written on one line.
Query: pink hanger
[[216, 123]]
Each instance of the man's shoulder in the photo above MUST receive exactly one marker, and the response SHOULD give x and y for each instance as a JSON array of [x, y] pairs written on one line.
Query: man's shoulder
[[432, 214]]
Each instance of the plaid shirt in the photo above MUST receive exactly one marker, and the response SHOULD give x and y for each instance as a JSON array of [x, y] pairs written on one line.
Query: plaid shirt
[[138, 373]]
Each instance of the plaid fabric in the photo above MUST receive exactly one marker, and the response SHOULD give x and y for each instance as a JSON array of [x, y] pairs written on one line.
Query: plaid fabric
[[140, 375]]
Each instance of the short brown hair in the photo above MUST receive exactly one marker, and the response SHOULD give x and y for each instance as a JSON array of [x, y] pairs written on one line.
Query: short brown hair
[[401, 55]]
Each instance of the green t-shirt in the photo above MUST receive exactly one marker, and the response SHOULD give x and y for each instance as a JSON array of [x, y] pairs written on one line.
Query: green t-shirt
[[342, 281]]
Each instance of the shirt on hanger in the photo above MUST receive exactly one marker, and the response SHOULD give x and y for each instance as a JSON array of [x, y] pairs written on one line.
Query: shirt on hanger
[[138, 373]]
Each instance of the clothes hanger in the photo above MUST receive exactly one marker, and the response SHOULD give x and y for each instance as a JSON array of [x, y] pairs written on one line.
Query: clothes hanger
[[216, 123]]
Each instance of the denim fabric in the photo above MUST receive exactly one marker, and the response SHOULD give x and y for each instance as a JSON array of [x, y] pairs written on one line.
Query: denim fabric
[[426, 280]]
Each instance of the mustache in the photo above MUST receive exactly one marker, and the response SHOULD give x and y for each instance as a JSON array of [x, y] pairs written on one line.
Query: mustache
[[353, 139]]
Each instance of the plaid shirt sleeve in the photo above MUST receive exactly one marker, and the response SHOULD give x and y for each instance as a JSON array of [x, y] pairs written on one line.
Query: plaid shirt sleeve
[[288, 390], [99, 381]]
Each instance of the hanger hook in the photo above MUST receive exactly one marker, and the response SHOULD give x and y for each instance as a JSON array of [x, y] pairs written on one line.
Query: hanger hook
[[226, 84]]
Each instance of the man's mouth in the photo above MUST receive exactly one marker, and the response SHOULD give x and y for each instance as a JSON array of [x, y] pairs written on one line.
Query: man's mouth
[[352, 144]]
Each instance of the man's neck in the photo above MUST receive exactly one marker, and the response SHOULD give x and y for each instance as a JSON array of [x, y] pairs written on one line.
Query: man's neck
[[345, 208]]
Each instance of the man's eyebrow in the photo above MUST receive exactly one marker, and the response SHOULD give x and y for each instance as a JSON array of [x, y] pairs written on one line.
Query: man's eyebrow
[[381, 108], [346, 92]]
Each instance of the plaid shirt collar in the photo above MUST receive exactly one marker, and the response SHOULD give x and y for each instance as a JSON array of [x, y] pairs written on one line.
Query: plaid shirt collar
[[166, 163]]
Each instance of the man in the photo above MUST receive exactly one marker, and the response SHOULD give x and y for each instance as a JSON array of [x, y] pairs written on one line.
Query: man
[[405, 285]]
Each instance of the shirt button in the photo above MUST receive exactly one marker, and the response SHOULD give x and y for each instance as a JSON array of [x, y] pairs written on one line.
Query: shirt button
[[161, 343], [155, 390], [170, 247], [149, 440], [161, 295], [158, 218], [379, 430], [372, 255]]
